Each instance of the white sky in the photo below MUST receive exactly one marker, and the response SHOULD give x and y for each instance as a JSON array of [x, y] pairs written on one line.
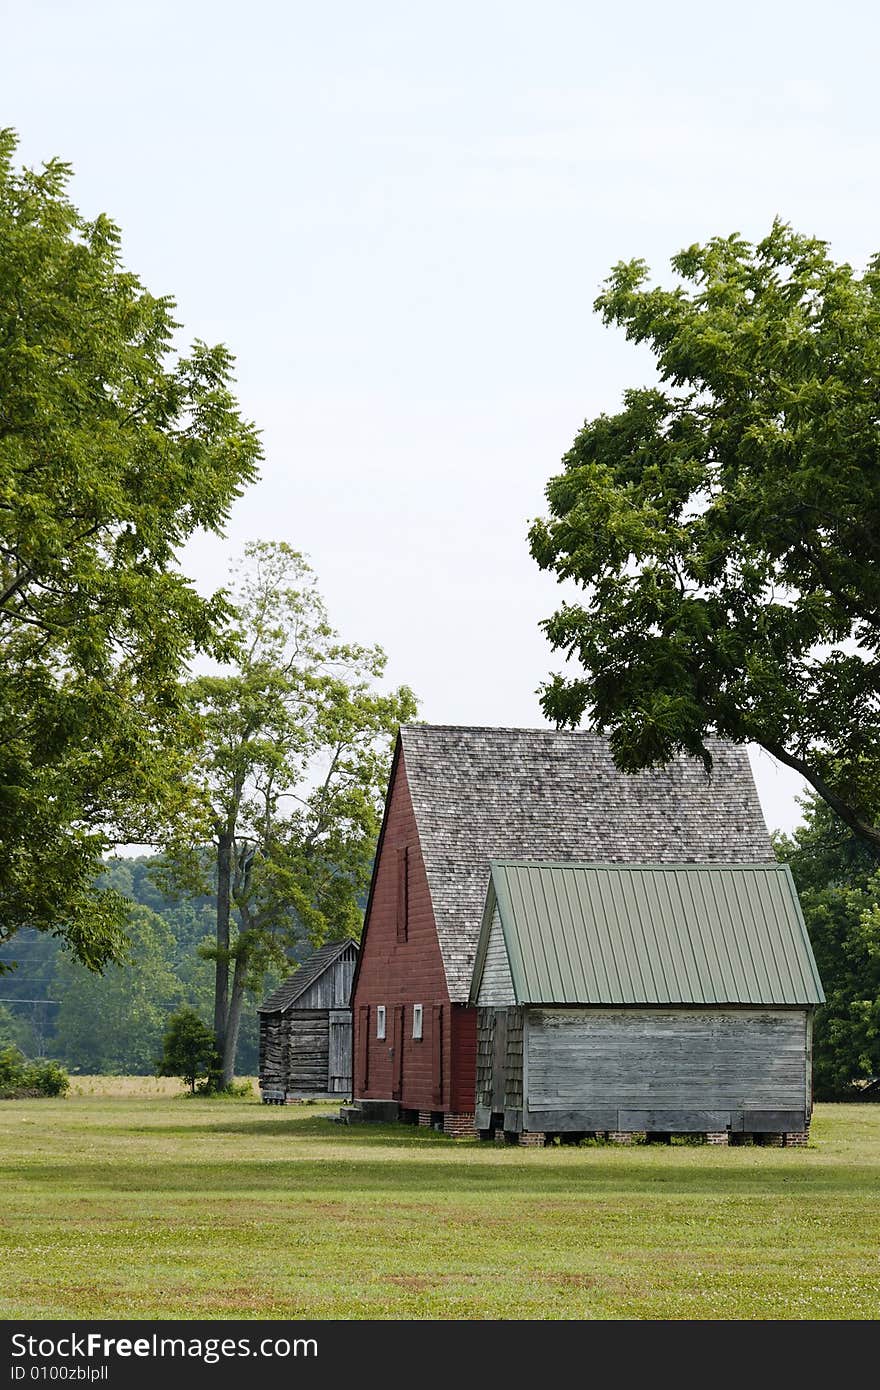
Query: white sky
[[397, 216]]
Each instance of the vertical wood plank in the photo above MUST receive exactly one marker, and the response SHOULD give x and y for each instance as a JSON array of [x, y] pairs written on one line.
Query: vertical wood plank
[[397, 1044], [437, 1053], [402, 892], [499, 1060]]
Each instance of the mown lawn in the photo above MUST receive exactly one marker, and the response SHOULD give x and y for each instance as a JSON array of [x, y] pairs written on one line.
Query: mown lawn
[[134, 1206]]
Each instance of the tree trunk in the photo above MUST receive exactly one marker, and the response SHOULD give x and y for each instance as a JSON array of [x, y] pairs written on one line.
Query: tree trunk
[[221, 971], [230, 1042]]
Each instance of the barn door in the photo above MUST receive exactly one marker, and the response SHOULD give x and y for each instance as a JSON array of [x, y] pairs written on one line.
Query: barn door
[[397, 1054], [339, 1053]]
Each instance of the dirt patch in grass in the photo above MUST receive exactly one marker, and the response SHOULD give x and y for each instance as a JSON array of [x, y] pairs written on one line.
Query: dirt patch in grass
[[566, 1280], [416, 1282]]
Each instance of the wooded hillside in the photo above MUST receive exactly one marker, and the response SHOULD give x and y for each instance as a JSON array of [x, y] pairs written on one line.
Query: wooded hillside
[[52, 1006]]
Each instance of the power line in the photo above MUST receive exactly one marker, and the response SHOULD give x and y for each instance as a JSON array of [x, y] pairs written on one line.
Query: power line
[[30, 1001]]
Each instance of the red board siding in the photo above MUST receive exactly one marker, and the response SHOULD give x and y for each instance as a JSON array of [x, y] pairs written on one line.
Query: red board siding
[[464, 1057], [402, 972]]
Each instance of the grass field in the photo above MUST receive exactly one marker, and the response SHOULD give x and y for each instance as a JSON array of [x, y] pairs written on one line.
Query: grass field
[[147, 1205], [135, 1087]]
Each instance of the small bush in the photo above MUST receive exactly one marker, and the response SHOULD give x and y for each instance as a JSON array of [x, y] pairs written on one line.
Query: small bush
[[20, 1079]]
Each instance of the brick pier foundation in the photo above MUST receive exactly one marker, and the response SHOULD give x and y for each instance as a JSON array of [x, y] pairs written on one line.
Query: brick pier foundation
[[460, 1125], [797, 1140]]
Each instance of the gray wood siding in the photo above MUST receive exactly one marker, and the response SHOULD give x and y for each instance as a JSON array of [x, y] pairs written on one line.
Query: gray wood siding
[[646, 1066], [496, 986], [339, 1064], [485, 1060], [309, 1049], [332, 989], [499, 1087], [273, 1052]]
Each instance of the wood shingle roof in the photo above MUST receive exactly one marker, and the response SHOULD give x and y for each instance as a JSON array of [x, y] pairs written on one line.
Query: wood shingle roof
[[533, 794]]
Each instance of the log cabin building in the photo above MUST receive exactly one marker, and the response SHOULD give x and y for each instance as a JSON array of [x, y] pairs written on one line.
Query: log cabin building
[[305, 1029], [459, 798], [616, 1000]]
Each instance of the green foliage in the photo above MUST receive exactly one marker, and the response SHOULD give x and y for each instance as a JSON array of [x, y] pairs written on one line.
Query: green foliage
[[21, 1078], [839, 887], [98, 1033], [114, 1022], [113, 451], [13, 1028], [187, 1048], [725, 527], [296, 750]]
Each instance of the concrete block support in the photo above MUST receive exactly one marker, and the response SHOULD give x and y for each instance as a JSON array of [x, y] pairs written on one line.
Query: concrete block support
[[717, 1136]]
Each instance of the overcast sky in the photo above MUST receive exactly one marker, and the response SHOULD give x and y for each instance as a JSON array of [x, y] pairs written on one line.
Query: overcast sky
[[398, 215]]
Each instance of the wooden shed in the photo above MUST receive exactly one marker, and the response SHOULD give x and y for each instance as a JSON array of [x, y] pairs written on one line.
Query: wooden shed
[[616, 1000], [305, 1029]]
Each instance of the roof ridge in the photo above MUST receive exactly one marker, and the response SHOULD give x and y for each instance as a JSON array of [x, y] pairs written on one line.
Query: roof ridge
[[537, 729], [640, 866]]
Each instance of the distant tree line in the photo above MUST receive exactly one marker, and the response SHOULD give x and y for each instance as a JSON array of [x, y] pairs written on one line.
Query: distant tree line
[[114, 1023]]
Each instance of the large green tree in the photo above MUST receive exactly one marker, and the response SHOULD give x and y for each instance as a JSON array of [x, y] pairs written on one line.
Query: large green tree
[[724, 526], [297, 740], [838, 883], [113, 451]]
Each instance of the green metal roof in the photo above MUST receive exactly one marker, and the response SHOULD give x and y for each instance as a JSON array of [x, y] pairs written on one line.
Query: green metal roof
[[651, 934]]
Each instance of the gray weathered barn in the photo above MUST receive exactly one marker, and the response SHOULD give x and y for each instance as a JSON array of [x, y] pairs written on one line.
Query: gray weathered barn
[[305, 1029], [616, 999]]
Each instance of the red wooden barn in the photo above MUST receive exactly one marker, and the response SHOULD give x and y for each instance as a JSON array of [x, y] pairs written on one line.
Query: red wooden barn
[[459, 797]]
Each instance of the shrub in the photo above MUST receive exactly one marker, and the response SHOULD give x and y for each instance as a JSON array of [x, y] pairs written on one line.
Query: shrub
[[20, 1078], [48, 1078]]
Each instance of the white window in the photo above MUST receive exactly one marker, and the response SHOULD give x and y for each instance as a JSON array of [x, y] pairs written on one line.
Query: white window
[[417, 1020], [380, 1020]]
